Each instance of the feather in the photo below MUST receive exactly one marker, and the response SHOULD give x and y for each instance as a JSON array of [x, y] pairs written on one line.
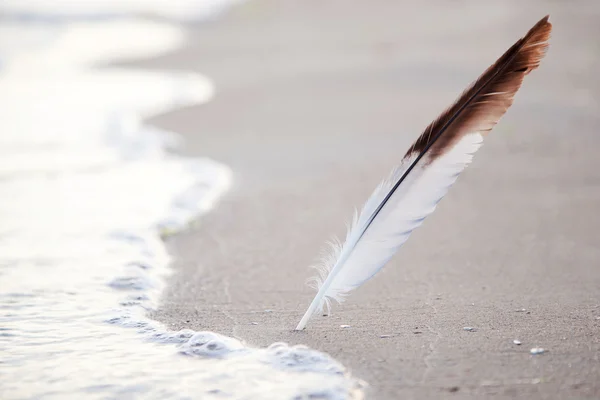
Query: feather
[[430, 166]]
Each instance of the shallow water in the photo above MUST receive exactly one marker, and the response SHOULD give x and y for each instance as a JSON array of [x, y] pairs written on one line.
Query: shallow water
[[86, 191]]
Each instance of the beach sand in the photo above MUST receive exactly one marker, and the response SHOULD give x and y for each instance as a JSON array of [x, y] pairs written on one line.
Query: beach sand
[[315, 103]]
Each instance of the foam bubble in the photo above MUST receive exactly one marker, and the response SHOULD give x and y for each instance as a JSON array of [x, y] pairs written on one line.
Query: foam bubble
[[210, 344]]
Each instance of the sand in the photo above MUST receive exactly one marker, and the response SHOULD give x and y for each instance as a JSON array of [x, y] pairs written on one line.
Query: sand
[[315, 103]]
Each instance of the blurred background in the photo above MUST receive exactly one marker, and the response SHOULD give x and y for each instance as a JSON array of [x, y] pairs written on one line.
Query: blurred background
[[122, 122]]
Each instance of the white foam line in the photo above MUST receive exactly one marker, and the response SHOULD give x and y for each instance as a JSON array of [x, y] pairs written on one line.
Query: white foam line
[[87, 191]]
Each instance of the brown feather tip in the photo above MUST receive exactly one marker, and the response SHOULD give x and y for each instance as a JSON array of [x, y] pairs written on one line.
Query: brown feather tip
[[485, 101]]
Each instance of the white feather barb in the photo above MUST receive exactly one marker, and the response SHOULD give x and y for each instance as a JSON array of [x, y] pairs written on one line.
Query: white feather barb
[[360, 258]]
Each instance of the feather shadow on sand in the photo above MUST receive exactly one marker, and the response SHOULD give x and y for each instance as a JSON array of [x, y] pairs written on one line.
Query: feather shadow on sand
[[429, 167]]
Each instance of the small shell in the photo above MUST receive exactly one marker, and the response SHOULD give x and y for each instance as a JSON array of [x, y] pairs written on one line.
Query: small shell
[[537, 350]]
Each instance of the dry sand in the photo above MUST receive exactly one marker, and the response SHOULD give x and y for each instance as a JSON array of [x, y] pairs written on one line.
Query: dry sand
[[316, 101]]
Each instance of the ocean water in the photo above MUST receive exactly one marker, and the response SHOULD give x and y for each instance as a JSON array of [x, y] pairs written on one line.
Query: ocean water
[[87, 189]]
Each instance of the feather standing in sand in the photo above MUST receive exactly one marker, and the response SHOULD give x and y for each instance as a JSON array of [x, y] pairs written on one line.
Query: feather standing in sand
[[428, 169]]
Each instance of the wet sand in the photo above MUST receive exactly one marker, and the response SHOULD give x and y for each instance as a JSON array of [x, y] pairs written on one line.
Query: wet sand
[[315, 103]]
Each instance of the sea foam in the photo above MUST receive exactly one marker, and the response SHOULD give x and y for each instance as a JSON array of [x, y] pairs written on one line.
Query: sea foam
[[87, 190]]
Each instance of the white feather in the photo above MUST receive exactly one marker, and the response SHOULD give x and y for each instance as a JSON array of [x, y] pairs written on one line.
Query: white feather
[[369, 247]]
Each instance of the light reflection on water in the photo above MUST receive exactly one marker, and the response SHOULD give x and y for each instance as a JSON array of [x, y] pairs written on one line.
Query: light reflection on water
[[85, 191]]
